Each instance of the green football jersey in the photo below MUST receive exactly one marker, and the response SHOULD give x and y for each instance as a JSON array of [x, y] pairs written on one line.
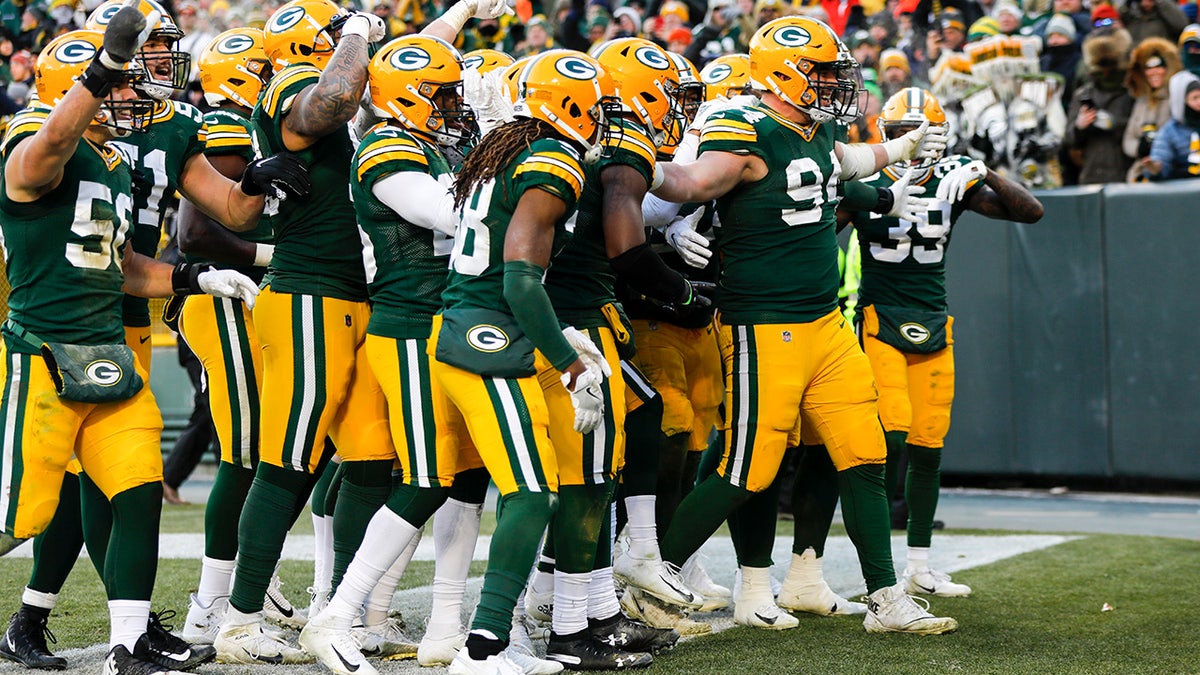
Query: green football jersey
[[406, 264], [580, 280], [176, 134], [231, 133], [778, 241], [903, 263], [63, 252], [317, 248], [477, 262]]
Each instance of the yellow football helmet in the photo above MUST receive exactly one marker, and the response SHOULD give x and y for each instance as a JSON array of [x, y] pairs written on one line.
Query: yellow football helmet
[[301, 32], [512, 75], [234, 67], [417, 80], [63, 61], [167, 67], [486, 60], [647, 85], [803, 62], [570, 91], [726, 76], [906, 110], [692, 91]]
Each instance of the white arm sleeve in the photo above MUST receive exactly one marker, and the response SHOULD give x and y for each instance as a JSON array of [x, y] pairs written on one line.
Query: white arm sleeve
[[420, 199], [658, 213], [858, 160]]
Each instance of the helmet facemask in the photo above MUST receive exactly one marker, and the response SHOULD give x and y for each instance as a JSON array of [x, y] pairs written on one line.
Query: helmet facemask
[[167, 68], [126, 116], [837, 90], [451, 122]]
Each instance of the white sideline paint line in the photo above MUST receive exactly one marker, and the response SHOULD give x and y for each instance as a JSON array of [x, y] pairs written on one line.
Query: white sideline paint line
[[1043, 514], [951, 553], [1174, 515]]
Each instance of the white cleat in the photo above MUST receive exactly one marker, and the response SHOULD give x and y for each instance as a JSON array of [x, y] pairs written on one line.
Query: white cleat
[[440, 651], [317, 599], [696, 577], [926, 581], [804, 590], [202, 622], [278, 610], [653, 612], [334, 648], [539, 606], [760, 611], [248, 644], [524, 658], [656, 577], [892, 610], [499, 664], [385, 641]]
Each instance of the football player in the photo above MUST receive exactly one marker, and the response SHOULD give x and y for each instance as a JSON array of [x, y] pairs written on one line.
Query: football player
[[904, 326], [516, 193], [774, 169], [66, 212], [727, 76], [415, 85]]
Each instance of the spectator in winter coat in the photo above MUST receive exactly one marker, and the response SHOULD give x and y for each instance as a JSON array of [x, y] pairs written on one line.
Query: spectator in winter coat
[[1099, 111], [1151, 66], [1060, 53], [1175, 152], [1153, 18]]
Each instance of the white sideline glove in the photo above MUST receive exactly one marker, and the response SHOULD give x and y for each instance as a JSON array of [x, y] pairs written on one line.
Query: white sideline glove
[[587, 350], [906, 201], [954, 185], [228, 284], [926, 142], [692, 246], [486, 96], [365, 25], [587, 398], [489, 9]]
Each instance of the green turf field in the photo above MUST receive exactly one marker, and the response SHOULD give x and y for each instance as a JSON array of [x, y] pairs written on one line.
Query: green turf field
[[1039, 612]]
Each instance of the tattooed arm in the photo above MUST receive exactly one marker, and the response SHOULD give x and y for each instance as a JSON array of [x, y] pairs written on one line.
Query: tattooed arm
[[329, 104], [1005, 199]]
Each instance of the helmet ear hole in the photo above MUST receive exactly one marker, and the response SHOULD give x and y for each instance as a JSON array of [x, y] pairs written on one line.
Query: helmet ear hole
[[574, 109]]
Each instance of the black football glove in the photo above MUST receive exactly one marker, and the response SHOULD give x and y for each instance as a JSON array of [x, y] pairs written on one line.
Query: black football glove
[[281, 174], [125, 34], [702, 294]]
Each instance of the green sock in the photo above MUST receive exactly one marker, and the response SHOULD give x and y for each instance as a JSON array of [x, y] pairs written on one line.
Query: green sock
[[334, 489], [752, 526], [895, 462], [365, 489], [604, 543], [576, 525], [691, 467], [672, 467], [642, 433], [416, 505], [710, 459], [132, 557], [266, 518], [701, 513], [321, 488], [97, 515], [57, 548], [224, 506], [864, 510], [921, 492], [814, 500], [521, 517]]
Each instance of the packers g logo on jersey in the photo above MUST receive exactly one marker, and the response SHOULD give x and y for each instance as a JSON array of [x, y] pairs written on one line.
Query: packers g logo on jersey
[[410, 58], [716, 73], [75, 51], [652, 58], [914, 333], [235, 44], [793, 36], [487, 338], [576, 68], [286, 19], [103, 372]]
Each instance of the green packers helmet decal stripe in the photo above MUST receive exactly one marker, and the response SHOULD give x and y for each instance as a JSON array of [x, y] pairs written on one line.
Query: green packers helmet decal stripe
[[12, 466]]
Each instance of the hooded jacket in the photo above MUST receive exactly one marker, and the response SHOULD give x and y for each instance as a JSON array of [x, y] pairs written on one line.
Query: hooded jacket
[[1105, 56], [1150, 110], [1177, 145]]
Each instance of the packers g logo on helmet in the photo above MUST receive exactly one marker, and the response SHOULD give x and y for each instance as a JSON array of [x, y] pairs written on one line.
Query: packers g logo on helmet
[[716, 73], [793, 36], [75, 51], [287, 18], [652, 58], [473, 61], [487, 338], [235, 44], [576, 68], [410, 58]]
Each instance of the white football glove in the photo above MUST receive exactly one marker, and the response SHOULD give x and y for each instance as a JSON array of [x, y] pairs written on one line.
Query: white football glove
[[587, 398], [924, 142], [490, 9], [587, 350], [365, 25], [228, 284], [906, 201], [486, 96], [692, 246], [954, 185]]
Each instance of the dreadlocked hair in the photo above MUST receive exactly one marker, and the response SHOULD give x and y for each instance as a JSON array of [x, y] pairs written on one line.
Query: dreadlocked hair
[[495, 151]]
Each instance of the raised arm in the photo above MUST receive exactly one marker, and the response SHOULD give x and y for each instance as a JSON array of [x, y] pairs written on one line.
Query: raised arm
[[1005, 199], [710, 176]]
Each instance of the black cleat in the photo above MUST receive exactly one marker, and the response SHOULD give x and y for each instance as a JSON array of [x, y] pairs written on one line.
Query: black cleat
[[632, 636], [579, 651], [120, 662], [25, 640], [159, 646]]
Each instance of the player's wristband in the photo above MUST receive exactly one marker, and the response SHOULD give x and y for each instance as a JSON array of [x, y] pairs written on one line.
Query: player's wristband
[[887, 201], [185, 278], [263, 254], [457, 16], [99, 78]]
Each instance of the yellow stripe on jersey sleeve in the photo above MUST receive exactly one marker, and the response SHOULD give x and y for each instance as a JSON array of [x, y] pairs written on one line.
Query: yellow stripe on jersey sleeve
[[376, 159], [568, 176], [638, 143], [270, 100], [25, 122]]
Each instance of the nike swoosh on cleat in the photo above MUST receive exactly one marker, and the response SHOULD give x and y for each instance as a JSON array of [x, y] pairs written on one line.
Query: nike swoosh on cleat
[[276, 660], [349, 666], [770, 621], [286, 612], [925, 588], [686, 595]]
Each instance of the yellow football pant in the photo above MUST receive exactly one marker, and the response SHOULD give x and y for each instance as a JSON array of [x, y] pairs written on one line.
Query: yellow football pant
[[916, 391], [138, 339], [222, 335], [507, 419], [684, 365], [779, 373], [430, 436], [118, 444], [317, 382]]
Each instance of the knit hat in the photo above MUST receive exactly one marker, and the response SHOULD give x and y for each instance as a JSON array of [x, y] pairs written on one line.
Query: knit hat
[[675, 7], [629, 12], [894, 58], [1063, 25], [1007, 7], [1103, 12], [982, 29]]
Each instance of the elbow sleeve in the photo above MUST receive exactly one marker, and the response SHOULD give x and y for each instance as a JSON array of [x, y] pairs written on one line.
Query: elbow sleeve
[[532, 309]]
